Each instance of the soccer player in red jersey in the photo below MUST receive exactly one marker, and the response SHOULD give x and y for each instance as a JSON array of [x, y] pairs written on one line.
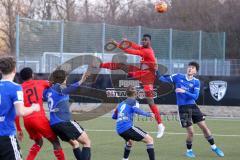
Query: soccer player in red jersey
[[37, 124], [145, 74]]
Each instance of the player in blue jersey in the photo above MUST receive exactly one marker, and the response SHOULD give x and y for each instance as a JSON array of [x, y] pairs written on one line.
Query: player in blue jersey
[[61, 122], [187, 92], [11, 103], [124, 115]]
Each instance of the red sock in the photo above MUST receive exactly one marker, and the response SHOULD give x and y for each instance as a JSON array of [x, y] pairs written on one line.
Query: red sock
[[111, 66], [59, 154], [155, 110], [33, 152]]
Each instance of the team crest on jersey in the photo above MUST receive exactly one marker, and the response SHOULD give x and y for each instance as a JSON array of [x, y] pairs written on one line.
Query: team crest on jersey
[[218, 89]]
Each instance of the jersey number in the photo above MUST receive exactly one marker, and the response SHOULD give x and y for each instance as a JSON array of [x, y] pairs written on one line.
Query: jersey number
[[122, 109], [32, 95]]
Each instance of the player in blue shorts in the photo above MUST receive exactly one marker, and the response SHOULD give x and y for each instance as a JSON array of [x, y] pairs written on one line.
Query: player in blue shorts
[[187, 92], [124, 115], [11, 103], [61, 122]]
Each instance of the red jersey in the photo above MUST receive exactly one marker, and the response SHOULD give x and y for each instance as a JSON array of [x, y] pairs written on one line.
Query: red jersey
[[33, 93], [148, 60]]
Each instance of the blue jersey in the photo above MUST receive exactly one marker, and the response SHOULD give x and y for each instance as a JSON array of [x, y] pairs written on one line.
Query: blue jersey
[[124, 114], [10, 94], [192, 88], [58, 102]]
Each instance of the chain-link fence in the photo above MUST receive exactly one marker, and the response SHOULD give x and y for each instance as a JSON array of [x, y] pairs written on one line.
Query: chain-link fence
[[43, 45]]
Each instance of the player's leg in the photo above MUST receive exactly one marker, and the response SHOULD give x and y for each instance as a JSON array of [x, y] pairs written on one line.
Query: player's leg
[[67, 132], [189, 141], [137, 134], [30, 127], [150, 146], [45, 130], [185, 115], [86, 149], [149, 96], [199, 119], [127, 149], [76, 149], [9, 148]]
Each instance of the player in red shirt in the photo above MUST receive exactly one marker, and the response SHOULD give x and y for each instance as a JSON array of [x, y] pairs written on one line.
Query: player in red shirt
[[145, 74], [37, 124]]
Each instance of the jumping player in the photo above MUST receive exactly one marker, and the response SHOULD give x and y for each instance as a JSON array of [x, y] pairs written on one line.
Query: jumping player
[[68, 130], [187, 92], [145, 74], [37, 124], [124, 115], [11, 103]]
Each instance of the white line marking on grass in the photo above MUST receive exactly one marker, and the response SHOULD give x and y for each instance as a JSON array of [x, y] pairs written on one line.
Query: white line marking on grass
[[169, 133]]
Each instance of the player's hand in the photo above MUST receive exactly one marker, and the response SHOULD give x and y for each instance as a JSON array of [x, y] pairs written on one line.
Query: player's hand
[[36, 107], [20, 135], [152, 115], [180, 90], [84, 77], [115, 43]]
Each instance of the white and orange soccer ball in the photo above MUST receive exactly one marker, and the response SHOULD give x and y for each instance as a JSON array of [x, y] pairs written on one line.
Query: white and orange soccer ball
[[161, 7]]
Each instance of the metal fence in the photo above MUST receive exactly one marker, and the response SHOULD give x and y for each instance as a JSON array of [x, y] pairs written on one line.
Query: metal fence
[[45, 44]]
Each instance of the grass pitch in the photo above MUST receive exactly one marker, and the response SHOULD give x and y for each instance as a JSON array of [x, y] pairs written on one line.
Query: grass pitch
[[107, 145]]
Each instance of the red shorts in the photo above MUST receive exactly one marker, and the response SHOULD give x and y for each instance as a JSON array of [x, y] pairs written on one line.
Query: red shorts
[[38, 127]]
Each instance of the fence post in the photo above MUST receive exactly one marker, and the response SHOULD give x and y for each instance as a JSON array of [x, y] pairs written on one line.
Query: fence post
[[215, 66], [224, 45], [170, 50], [17, 42], [200, 51], [139, 34], [62, 41], [103, 37]]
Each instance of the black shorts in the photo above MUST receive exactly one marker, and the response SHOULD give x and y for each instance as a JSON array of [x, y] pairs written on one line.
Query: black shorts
[[189, 114], [9, 148], [67, 130], [134, 133]]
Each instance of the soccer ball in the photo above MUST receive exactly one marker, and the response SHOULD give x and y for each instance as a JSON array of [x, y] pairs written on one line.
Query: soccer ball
[[161, 7]]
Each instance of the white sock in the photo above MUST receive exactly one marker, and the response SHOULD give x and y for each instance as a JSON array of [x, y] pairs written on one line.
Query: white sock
[[213, 146], [189, 150], [160, 125]]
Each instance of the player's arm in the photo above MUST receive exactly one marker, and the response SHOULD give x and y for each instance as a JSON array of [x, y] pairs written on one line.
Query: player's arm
[[193, 95], [137, 52], [168, 78], [73, 87], [17, 123], [19, 129], [21, 110], [196, 91], [24, 111], [115, 114], [141, 112], [135, 45]]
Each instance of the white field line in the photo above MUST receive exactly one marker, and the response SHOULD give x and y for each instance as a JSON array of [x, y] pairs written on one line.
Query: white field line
[[168, 133]]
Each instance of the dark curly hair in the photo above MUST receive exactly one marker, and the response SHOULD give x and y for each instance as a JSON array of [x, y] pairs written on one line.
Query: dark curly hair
[[26, 73], [58, 76], [195, 64]]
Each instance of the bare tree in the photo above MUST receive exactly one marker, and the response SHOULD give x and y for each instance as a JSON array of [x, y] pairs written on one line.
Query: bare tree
[[66, 9]]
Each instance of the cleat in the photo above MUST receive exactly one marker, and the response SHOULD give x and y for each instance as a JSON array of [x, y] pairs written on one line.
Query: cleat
[[190, 154], [218, 152], [161, 129]]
